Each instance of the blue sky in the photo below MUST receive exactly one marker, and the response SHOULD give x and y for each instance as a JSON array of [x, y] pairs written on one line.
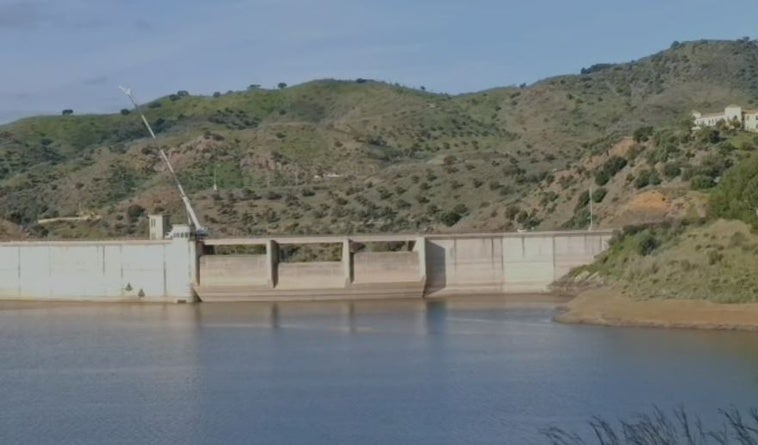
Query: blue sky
[[74, 53]]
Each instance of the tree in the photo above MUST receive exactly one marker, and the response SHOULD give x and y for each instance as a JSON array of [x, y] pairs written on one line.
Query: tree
[[281, 85], [216, 94], [737, 194], [599, 194], [125, 111], [450, 218], [67, 112], [642, 134], [671, 170], [134, 211]]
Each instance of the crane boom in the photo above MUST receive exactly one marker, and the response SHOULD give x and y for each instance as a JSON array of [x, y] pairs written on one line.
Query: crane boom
[[200, 231]]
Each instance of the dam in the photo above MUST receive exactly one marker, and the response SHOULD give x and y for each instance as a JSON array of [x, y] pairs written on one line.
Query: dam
[[187, 270]]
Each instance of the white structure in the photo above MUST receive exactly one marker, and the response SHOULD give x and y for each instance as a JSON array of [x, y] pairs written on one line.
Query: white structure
[[125, 270], [159, 226], [746, 119]]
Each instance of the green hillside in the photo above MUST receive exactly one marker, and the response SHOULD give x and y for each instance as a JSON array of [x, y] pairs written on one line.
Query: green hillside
[[365, 156]]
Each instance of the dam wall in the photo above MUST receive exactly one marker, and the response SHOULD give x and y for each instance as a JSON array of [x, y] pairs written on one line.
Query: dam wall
[[425, 266], [98, 270], [507, 263], [368, 266]]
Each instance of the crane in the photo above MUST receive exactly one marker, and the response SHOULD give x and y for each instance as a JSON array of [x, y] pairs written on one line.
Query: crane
[[200, 231]]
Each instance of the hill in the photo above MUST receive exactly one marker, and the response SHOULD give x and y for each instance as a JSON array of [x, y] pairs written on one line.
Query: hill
[[365, 156]]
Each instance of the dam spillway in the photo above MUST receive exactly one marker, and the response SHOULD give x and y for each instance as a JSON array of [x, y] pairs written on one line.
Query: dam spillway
[[428, 266], [184, 270]]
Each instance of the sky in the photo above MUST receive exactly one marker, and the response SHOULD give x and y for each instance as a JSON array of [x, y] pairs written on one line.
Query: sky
[[58, 54]]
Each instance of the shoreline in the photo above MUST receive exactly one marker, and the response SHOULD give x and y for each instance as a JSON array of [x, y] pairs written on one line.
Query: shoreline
[[609, 307]]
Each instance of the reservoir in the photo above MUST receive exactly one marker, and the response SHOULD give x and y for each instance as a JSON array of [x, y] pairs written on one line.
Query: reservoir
[[483, 371]]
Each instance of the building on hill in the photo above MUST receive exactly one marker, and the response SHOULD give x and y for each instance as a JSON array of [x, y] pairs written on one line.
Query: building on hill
[[747, 119]]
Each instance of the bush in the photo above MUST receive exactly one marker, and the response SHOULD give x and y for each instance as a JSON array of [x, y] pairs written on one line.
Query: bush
[[671, 170], [511, 212], [609, 169], [134, 211], [461, 209], [647, 177], [599, 194], [602, 177], [583, 200], [736, 196], [701, 182], [450, 218], [643, 134], [646, 243], [67, 112]]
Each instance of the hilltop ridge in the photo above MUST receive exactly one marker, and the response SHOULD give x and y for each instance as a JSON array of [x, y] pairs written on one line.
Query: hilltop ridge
[[365, 156]]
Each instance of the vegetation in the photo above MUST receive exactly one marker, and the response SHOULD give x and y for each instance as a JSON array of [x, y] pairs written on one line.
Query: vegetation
[[737, 194], [366, 156], [683, 260], [662, 428]]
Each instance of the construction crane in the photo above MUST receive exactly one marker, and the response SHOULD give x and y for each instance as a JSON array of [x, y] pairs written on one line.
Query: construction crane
[[200, 231]]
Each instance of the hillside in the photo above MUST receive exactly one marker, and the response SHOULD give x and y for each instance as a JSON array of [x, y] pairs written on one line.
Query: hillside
[[365, 156]]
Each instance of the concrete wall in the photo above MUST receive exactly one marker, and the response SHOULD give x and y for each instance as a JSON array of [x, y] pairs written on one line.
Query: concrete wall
[[315, 274], [169, 270], [386, 267], [128, 270], [233, 270], [464, 265], [506, 263]]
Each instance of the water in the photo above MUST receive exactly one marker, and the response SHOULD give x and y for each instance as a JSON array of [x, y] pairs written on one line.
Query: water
[[389, 373]]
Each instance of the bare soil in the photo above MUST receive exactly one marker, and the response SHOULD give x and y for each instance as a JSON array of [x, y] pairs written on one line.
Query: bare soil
[[608, 307]]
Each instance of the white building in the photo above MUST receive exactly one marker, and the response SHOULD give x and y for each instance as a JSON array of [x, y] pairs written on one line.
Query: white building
[[747, 119]]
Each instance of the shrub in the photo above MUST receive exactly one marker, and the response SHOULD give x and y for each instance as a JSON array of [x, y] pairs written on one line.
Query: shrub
[[647, 177], [602, 177], [134, 211], [583, 200], [701, 182], [599, 194], [511, 212], [646, 243], [671, 170], [643, 134], [460, 209], [736, 196], [450, 218], [609, 169]]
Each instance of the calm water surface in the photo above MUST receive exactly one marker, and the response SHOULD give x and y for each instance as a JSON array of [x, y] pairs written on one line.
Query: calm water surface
[[389, 373]]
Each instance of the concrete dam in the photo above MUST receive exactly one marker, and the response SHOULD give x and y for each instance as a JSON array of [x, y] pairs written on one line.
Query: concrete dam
[[185, 270]]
